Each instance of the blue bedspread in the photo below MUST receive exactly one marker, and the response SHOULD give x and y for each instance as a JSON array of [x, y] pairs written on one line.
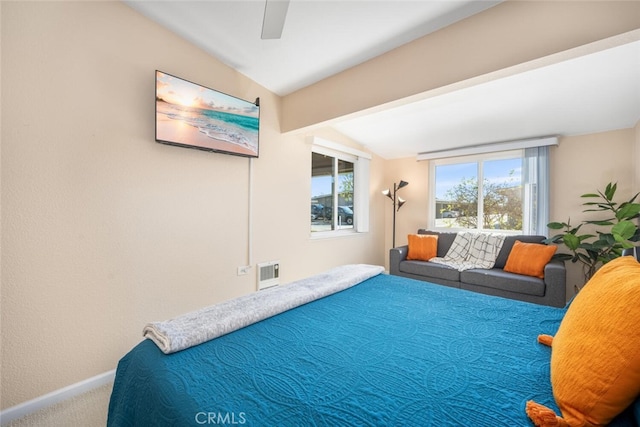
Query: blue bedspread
[[389, 351]]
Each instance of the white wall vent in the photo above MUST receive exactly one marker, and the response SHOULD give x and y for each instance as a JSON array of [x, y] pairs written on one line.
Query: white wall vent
[[268, 274]]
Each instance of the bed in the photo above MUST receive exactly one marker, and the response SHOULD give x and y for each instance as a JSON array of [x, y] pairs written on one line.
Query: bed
[[386, 351]]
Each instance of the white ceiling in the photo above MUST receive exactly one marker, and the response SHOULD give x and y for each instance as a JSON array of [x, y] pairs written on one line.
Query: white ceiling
[[588, 94]]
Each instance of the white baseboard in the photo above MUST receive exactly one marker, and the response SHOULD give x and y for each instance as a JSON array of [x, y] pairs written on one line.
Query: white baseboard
[[26, 408]]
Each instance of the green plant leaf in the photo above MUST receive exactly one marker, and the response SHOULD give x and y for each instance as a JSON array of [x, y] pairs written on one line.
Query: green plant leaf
[[606, 239], [553, 240], [585, 258], [556, 225], [603, 223], [584, 237], [563, 257], [591, 249], [623, 231], [571, 241], [628, 211], [601, 206], [590, 195], [610, 191], [575, 230]]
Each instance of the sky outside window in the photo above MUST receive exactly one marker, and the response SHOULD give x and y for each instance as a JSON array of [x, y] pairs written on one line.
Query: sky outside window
[[448, 176]]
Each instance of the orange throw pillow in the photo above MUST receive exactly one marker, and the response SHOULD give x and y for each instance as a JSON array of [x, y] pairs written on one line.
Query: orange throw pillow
[[529, 258], [422, 247], [595, 356]]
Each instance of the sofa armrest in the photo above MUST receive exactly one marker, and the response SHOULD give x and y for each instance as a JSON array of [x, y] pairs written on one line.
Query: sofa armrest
[[555, 279], [396, 255]]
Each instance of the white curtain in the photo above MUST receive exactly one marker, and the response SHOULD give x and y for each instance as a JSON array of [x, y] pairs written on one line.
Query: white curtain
[[536, 190], [361, 194]]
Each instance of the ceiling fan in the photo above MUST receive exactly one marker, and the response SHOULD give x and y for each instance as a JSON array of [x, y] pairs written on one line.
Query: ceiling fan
[[275, 12]]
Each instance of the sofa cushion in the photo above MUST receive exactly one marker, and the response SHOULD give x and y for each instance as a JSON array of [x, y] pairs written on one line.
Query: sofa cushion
[[445, 240], [529, 258], [499, 279], [501, 261], [430, 269], [422, 247]]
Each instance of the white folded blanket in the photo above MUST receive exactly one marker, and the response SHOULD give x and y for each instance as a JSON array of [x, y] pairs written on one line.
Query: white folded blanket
[[211, 322]]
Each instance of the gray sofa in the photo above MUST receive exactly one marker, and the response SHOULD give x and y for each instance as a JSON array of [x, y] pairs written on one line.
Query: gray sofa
[[548, 291]]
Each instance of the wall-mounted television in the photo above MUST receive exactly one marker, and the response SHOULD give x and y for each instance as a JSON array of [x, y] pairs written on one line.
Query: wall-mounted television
[[193, 116]]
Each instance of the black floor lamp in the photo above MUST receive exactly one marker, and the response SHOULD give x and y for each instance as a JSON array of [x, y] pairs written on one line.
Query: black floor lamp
[[397, 203]]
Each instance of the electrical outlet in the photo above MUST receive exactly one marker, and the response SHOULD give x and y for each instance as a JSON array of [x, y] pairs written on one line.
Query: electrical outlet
[[244, 270]]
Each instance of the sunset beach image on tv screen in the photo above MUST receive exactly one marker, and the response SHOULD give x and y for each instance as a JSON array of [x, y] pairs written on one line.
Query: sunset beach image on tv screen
[[194, 116]]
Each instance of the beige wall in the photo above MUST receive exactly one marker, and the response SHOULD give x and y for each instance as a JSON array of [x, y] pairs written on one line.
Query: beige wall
[[103, 229], [583, 164]]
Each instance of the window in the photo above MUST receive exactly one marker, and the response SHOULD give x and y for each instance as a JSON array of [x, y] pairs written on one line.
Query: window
[[339, 189], [495, 191], [332, 193]]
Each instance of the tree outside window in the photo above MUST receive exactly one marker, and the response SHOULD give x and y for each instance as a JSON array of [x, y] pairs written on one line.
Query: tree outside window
[[458, 190]]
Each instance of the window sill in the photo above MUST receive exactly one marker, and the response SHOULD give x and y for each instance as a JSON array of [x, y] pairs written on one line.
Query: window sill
[[486, 230], [319, 235]]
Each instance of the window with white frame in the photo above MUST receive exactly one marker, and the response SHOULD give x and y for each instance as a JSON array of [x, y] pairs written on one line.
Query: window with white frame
[[339, 189], [506, 191]]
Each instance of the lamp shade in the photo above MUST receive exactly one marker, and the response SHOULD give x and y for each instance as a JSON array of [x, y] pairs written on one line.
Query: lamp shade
[[401, 202], [397, 203]]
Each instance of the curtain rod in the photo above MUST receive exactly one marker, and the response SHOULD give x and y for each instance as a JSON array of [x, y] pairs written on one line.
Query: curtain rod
[[489, 148]]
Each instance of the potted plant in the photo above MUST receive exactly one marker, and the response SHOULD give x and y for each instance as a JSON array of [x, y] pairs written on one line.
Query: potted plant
[[593, 250]]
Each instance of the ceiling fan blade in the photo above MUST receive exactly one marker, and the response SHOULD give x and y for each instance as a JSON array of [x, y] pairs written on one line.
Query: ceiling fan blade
[[275, 12]]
